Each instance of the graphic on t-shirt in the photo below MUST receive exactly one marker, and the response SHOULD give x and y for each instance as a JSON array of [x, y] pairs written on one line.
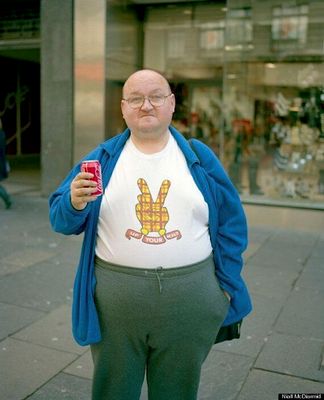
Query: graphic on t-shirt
[[152, 215]]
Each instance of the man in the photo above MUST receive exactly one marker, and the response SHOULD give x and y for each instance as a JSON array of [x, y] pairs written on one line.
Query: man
[[160, 266], [3, 168]]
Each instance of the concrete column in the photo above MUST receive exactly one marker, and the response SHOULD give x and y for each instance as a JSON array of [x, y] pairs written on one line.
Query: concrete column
[[89, 73], [56, 91], [72, 84]]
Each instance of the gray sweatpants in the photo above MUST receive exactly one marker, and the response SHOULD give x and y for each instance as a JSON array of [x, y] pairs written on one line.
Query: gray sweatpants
[[163, 321]]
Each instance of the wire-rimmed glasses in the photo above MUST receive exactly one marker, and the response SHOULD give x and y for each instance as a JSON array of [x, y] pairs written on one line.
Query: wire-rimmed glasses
[[156, 100]]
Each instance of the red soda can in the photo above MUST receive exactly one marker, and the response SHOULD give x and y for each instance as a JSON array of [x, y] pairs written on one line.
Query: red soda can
[[94, 167]]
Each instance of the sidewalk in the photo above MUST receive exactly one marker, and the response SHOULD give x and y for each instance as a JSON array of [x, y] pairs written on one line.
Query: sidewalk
[[282, 344]]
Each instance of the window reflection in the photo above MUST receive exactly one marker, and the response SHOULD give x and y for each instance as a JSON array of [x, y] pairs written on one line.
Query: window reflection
[[248, 80]]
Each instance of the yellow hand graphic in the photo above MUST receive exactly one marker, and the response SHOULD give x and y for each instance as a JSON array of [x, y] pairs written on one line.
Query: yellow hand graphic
[[151, 214]]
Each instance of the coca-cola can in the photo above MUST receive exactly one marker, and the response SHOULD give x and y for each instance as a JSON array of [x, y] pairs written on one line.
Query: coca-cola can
[[94, 167]]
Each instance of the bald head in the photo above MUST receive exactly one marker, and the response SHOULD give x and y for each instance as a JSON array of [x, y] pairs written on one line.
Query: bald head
[[148, 122], [143, 76]]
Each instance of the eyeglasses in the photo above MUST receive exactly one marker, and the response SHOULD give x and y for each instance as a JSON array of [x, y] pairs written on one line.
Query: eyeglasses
[[156, 100]]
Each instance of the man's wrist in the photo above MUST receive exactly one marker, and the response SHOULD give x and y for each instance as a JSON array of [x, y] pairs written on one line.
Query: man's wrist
[[78, 206]]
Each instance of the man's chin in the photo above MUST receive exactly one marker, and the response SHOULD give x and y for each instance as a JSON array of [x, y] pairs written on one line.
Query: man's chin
[[147, 119], [148, 126]]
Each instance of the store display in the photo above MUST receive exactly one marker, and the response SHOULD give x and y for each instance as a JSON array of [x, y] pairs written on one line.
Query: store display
[[296, 143]]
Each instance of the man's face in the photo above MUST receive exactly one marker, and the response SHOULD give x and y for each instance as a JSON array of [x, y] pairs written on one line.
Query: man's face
[[148, 120]]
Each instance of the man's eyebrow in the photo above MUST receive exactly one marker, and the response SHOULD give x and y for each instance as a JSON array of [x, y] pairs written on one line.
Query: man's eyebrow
[[135, 93], [159, 91]]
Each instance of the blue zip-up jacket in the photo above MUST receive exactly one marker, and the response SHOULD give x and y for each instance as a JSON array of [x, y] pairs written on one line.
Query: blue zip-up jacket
[[227, 228]]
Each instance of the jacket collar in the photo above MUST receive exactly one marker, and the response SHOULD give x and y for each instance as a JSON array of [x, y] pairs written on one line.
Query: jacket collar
[[115, 144], [185, 147]]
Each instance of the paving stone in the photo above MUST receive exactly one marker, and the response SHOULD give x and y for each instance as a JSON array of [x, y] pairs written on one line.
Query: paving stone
[[263, 385], [7, 246], [294, 238], [276, 255], [22, 259], [82, 366], [43, 287], [34, 236], [14, 318], [50, 239], [292, 355], [24, 222], [302, 315], [22, 188], [68, 254], [223, 375], [268, 281], [64, 387], [24, 367], [259, 234], [318, 250], [54, 331], [252, 249], [313, 274], [7, 269], [256, 327]]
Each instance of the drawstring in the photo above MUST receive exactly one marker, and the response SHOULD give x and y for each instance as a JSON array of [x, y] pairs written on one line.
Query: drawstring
[[157, 273]]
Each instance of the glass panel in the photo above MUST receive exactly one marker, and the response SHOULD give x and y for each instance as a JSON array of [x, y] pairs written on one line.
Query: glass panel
[[123, 57], [274, 98], [186, 43], [19, 22], [122, 42], [248, 78]]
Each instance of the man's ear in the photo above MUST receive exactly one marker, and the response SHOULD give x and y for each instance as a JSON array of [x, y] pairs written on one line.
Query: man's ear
[[173, 102], [122, 105]]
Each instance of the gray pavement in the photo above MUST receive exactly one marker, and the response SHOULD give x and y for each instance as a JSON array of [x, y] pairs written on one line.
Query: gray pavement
[[282, 344]]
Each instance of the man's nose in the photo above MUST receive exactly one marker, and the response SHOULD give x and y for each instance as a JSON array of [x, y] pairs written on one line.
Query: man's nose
[[146, 104]]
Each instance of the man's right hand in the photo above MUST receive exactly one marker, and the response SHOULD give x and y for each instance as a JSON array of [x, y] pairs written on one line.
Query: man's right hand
[[82, 188]]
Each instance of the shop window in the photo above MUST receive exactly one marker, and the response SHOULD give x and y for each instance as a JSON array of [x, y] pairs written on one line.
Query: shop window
[[239, 28], [20, 24], [123, 41], [297, 137], [211, 38], [260, 110], [176, 44], [289, 27], [184, 40]]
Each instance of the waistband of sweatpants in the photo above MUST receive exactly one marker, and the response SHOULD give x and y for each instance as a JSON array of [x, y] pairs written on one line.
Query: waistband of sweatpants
[[167, 272]]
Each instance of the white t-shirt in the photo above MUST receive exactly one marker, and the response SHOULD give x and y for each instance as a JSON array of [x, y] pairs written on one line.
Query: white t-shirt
[[152, 213]]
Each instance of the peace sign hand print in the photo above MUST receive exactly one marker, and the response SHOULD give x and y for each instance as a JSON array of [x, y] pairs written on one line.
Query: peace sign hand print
[[152, 215]]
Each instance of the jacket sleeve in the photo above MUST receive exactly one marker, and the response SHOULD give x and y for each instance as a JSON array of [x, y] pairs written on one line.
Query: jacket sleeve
[[64, 217], [231, 238]]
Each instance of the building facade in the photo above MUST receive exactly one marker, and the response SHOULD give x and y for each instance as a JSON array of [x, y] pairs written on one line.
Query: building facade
[[248, 76]]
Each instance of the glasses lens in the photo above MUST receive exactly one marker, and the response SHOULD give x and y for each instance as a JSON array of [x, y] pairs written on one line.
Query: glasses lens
[[138, 101], [156, 100], [135, 102]]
